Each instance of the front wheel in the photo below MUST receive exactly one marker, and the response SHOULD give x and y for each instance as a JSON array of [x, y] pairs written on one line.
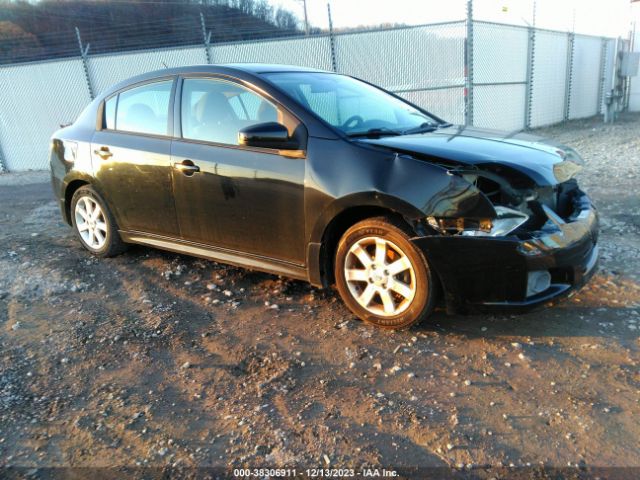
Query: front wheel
[[382, 277]]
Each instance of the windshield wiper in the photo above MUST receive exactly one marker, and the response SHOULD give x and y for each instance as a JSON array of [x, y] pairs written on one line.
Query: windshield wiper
[[377, 132], [374, 132], [424, 128]]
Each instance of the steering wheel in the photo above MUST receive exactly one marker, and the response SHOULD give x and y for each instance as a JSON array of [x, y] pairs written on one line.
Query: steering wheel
[[352, 122]]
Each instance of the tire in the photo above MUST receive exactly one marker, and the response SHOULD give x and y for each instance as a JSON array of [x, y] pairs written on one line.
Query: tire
[[98, 235], [384, 293]]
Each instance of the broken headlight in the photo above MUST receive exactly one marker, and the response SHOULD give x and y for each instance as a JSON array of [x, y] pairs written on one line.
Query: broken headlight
[[507, 220], [570, 165], [565, 170]]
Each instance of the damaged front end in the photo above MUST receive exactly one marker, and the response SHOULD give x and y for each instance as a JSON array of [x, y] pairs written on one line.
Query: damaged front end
[[539, 243]]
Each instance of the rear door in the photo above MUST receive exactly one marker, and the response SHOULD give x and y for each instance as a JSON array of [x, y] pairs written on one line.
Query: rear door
[[132, 157]]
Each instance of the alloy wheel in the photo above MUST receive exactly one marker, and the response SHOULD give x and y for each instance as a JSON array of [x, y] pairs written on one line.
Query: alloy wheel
[[91, 223], [380, 276]]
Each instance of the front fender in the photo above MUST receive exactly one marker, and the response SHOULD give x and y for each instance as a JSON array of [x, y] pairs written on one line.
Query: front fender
[[435, 191], [359, 200], [341, 176], [410, 187]]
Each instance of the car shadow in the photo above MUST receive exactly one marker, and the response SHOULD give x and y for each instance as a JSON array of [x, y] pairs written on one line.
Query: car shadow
[[560, 320], [598, 310]]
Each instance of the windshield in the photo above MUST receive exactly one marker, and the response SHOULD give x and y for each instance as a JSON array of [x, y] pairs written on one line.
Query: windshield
[[350, 105]]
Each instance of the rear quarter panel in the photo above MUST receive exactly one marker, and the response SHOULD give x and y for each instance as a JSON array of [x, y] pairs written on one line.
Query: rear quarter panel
[[64, 172]]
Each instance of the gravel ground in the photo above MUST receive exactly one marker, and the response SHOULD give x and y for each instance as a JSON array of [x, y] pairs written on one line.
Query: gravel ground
[[153, 359]]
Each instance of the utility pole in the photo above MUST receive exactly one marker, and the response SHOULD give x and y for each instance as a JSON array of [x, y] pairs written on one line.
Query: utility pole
[[306, 18]]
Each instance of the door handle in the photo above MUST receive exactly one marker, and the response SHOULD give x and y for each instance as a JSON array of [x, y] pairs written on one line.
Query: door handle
[[187, 167], [103, 153]]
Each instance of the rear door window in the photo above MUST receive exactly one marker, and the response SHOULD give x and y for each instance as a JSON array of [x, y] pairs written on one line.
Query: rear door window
[[144, 109]]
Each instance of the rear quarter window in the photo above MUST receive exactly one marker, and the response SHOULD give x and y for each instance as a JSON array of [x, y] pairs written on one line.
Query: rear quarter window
[[110, 113]]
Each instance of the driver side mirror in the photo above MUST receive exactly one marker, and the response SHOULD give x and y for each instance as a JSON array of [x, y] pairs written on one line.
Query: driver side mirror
[[267, 135]]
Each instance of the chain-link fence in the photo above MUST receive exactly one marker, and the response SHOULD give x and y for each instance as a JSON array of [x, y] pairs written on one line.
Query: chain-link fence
[[499, 76], [35, 99], [634, 89], [476, 73]]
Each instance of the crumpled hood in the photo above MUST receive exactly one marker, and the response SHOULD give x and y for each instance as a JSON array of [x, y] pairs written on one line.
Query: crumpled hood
[[532, 155]]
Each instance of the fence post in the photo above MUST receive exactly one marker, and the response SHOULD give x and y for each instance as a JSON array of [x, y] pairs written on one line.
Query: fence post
[[206, 37], [627, 80], [603, 73], [528, 100], [3, 168], [332, 43], [567, 86], [468, 66], [531, 59], [85, 63]]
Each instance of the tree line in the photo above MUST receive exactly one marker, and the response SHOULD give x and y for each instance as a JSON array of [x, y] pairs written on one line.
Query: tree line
[[46, 29]]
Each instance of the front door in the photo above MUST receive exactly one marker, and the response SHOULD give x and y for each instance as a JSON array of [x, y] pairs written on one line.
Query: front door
[[229, 196], [131, 156]]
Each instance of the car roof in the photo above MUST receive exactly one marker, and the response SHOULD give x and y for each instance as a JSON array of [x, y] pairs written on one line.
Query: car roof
[[269, 68], [239, 67], [221, 68]]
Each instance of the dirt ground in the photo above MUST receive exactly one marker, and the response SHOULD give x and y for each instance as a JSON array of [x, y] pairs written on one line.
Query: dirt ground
[[153, 359]]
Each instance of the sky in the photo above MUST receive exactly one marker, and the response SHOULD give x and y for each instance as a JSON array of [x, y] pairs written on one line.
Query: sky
[[596, 17]]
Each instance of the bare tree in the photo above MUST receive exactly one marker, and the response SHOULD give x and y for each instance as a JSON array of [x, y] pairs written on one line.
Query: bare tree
[[263, 10], [285, 20]]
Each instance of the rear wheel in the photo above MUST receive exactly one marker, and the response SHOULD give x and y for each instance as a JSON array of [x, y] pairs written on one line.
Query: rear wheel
[[94, 224], [382, 277]]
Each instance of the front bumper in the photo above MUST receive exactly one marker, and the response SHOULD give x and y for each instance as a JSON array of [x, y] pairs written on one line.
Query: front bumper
[[484, 271]]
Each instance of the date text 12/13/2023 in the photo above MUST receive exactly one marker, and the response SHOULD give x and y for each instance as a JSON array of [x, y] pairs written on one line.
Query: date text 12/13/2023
[[314, 472]]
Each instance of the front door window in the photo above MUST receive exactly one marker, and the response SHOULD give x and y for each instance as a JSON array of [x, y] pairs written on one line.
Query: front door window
[[215, 110]]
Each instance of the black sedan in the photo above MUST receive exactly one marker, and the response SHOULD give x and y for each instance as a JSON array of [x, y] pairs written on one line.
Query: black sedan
[[329, 179]]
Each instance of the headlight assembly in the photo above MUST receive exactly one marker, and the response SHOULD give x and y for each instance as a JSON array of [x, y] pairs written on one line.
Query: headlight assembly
[[506, 221], [570, 165], [565, 170]]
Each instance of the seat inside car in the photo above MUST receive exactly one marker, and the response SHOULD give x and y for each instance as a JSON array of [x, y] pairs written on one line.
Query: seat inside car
[[267, 112], [140, 117], [217, 122]]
